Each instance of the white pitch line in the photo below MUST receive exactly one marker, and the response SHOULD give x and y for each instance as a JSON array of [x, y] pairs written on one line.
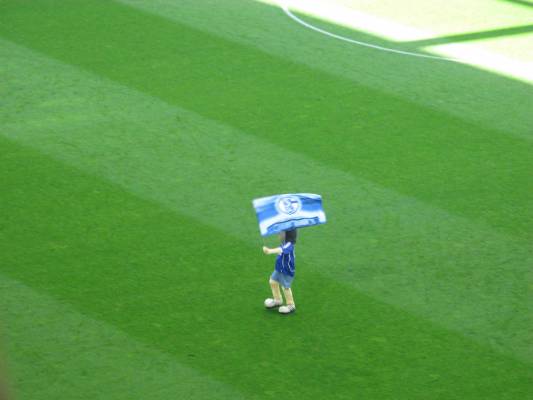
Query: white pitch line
[[287, 11]]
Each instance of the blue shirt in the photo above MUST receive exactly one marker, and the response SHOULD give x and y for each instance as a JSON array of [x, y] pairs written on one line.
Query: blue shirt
[[285, 262]]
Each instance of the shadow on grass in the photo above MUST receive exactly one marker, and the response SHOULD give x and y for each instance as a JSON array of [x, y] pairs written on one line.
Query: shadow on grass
[[524, 3], [465, 37]]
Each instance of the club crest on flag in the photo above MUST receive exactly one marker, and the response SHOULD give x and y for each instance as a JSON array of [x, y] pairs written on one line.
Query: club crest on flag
[[288, 211], [288, 204]]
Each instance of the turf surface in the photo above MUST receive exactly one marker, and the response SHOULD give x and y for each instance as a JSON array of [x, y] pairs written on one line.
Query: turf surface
[[131, 148]]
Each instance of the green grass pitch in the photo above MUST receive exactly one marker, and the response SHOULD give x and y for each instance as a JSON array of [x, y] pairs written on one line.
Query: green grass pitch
[[134, 135]]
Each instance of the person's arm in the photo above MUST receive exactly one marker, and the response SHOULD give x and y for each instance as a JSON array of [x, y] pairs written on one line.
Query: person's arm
[[276, 250]]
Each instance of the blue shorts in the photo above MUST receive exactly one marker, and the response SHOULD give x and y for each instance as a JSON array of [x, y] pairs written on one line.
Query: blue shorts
[[283, 279]]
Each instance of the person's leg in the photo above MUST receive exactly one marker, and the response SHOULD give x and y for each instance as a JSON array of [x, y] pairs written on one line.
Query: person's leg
[[288, 296], [290, 307], [275, 290], [276, 293]]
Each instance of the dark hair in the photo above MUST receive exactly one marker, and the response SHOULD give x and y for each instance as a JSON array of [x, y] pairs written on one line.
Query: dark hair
[[290, 236]]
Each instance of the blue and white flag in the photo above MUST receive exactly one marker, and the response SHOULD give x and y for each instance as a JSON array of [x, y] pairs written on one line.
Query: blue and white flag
[[288, 211]]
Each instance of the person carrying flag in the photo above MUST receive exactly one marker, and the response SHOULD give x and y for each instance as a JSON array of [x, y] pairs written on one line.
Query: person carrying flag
[[283, 272], [282, 214]]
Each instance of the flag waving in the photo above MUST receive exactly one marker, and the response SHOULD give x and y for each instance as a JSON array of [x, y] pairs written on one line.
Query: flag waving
[[288, 211]]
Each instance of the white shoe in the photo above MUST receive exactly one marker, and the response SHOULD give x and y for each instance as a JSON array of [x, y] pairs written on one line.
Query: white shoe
[[271, 303], [290, 308]]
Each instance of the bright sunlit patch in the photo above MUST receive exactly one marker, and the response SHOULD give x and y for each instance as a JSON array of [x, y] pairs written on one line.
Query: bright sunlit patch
[[350, 18], [487, 60], [468, 53]]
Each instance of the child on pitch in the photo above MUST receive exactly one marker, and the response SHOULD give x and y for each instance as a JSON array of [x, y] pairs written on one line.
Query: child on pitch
[[283, 273]]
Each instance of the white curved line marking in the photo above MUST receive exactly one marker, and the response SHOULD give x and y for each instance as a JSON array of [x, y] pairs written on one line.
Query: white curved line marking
[[287, 11]]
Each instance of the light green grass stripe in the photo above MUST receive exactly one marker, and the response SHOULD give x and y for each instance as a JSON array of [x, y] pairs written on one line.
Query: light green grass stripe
[[459, 274], [458, 90], [83, 358]]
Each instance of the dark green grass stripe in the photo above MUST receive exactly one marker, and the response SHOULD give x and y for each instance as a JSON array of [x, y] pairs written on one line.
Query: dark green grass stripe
[[417, 151], [196, 293]]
